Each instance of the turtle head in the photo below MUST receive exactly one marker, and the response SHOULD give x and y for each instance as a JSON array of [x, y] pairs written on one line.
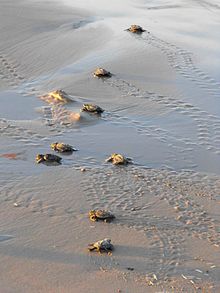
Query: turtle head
[[92, 215], [53, 145], [107, 240], [86, 107], [39, 158]]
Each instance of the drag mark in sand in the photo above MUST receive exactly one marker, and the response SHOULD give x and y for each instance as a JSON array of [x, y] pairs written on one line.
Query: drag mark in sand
[[25, 197], [166, 206], [208, 125], [9, 71], [182, 62], [162, 203], [5, 237], [207, 4], [178, 145], [21, 134]]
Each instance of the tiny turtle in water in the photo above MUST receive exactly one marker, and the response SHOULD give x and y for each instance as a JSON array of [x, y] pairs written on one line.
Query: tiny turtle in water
[[102, 215], [92, 109], [48, 158], [101, 72], [101, 246], [61, 147], [117, 159], [136, 29], [58, 96]]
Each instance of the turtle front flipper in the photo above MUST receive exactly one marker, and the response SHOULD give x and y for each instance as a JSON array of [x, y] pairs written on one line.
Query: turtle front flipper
[[108, 160], [93, 218]]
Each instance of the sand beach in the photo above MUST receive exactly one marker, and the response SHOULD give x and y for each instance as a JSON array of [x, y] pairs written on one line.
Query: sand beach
[[161, 108]]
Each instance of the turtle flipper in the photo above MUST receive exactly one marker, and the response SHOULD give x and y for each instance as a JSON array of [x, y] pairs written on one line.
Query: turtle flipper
[[91, 247], [93, 218]]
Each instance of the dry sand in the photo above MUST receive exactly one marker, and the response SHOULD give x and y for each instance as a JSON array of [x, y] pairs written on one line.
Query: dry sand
[[162, 109]]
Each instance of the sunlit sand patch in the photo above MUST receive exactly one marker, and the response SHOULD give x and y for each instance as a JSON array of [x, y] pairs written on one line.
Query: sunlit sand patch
[[57, 114], [57, 97], [74, 116]]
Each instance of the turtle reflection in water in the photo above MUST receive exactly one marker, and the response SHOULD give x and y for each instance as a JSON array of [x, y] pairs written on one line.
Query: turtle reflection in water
[[90, 108], [101, 246], [61, 147], [101, 215], [101, 72], [48, 159], [136, 29], [118, 159], [57, 97]]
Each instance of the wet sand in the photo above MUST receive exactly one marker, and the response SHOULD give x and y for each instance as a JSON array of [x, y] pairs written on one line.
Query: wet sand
[[161, 109]]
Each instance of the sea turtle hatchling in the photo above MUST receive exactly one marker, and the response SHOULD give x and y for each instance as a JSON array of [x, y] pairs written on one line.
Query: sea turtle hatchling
[[101, 246], [118, 159], [101, 72], [48, 158], [101, 215], [92, 109], [61, 147], [57, 96], [136, 29]]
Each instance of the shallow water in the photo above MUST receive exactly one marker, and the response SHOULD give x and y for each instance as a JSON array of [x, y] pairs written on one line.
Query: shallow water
[[188, 119]]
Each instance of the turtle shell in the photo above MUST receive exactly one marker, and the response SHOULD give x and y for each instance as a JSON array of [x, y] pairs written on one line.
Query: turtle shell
[[136, 29], [52, 158], [118, 159], [103, 215], [48, 158], [101, 245], [62, 147], [91, 108], [101, 72]]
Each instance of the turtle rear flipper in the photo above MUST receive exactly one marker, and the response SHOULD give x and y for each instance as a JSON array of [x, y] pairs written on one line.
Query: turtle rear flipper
[[109, 220], [91, 247], [108, 249]]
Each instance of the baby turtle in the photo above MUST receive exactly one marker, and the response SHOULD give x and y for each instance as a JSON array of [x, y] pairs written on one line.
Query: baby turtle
[[61, 147], [102, 215], [92, 109], [101, 246], [136, 29], [58, 96], [48, 158], [117, 159], [101, 72]]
